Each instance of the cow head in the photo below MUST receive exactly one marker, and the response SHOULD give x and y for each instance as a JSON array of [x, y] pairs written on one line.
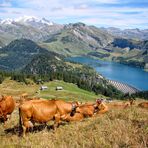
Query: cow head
[[2, 98], [74, 107], [99, 101]]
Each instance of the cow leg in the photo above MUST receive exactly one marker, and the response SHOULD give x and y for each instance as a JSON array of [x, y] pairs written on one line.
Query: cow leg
[[57, 121], [5, 119], [24, 130], [9, 117], [32, 124], [26, 125]]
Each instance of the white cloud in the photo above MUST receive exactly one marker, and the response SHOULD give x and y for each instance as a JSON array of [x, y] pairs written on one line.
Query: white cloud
[[5, 4], [78, 10]]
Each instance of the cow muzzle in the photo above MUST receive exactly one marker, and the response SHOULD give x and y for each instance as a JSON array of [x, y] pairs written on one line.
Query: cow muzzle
[[73, 110]]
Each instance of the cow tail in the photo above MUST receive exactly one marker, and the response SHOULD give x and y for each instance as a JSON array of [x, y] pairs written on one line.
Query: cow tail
[[20, 122]]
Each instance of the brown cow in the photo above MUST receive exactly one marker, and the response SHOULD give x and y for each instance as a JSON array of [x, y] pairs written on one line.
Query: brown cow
[[42, 111], [7, 105], [76, 117], [121, 105], [102, 107], [143, 105], [87, 110]]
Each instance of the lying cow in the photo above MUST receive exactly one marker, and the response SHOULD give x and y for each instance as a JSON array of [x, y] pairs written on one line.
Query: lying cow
[[88, 110], [121, 105], [102, 107], [7, 105], [42, 111], [143, 105], [83, 111], [76, 117]]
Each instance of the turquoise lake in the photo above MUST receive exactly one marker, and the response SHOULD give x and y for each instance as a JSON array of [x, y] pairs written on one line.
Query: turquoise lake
[[116, 71]]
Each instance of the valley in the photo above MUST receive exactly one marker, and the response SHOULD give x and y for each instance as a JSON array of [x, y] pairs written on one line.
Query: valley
[[80, 39]]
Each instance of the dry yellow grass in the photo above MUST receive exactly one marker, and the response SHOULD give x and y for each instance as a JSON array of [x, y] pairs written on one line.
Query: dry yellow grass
[[10, 87], [117, 128], [120, 128]]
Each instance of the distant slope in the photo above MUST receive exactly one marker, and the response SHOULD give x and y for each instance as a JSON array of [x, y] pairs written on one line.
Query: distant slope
[[18, 53], [130, 43], [128, 33], [134, 53], [78, 39]]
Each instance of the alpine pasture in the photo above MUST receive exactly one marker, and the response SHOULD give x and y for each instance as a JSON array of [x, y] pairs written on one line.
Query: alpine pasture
[[117, 128]]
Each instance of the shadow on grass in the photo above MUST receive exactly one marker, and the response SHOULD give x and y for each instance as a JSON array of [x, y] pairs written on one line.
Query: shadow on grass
[[17, 130]]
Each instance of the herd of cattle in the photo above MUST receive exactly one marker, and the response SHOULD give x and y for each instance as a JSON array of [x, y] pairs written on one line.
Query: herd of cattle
[[33, 111]]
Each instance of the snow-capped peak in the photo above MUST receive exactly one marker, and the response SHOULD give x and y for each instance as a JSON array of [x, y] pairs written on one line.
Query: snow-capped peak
[[6, 21], [26, 19], [45, 21], [31, 20]]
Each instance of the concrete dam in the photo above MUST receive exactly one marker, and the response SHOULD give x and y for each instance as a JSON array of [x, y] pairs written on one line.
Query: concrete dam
[[125, 88]]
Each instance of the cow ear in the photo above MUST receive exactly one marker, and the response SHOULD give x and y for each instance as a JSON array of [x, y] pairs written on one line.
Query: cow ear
[[3, 97]]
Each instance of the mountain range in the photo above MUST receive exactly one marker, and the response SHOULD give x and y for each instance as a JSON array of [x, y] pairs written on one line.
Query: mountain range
[[128, 46], [136, 33], [26, 27]]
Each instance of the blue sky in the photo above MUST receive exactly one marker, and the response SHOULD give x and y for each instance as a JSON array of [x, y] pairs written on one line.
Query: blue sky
[[101, 13]]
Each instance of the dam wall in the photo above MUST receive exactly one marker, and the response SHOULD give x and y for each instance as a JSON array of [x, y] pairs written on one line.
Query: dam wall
[[125, 88]]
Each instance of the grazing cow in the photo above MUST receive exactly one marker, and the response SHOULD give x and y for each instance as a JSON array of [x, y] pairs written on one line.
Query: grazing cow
[[143, 105], [42, 111], [7, 105]]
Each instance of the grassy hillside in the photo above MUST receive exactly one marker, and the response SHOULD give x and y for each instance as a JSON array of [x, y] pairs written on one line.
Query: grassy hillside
[[70, 91]]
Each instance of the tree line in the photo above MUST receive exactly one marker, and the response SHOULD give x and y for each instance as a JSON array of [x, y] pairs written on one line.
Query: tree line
[[81, 79]]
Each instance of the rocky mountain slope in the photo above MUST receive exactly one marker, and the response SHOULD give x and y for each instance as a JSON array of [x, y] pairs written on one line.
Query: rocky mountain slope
[[27, 27], [78, 39], [128, 33]]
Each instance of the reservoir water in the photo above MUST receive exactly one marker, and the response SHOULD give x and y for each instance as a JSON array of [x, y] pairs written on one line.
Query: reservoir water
[[115, 71]]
